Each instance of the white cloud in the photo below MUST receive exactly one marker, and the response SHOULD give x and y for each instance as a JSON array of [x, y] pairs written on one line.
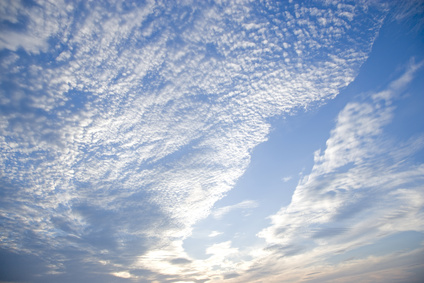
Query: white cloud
[[221, 249], [355, 195], [136, 121], [40, 27], [122, 274], [247, 204], [286, 179], [215, 233]]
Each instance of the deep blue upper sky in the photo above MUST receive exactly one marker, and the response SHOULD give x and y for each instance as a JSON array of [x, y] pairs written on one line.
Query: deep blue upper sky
[[211, 141]]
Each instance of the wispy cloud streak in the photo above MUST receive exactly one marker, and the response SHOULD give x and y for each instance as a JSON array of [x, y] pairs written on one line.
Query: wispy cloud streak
[[362, 188]]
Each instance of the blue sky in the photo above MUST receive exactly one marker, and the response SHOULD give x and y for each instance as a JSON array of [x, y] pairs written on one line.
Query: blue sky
[[211, 141]]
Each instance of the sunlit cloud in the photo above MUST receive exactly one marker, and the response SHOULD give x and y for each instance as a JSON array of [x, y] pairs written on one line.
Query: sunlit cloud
[[124, 124], [215, 233], [247, 204], [360, 189]]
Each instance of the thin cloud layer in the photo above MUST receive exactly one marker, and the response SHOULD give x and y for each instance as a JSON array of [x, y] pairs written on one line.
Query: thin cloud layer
[[123, 123], [226, 209], [362, 188]]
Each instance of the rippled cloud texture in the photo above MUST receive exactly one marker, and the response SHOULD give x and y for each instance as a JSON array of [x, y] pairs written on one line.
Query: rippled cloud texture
[[124, 122]]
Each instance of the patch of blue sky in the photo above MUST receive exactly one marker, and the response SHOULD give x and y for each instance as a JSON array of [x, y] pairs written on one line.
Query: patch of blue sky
[[166, 116], [278, 164]]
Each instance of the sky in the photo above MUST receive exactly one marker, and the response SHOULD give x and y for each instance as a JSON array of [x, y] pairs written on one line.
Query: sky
[[211, 141]]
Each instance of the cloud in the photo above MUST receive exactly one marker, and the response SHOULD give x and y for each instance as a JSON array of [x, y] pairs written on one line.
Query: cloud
[[247, 204], [32, 38], [408, 9], [361, 189], [286, 179], [215, 233], [122, 125], [122, 274]]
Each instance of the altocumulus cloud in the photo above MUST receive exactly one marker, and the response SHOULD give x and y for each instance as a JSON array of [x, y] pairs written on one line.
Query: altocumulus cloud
[[364, 188], [124, 122]]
